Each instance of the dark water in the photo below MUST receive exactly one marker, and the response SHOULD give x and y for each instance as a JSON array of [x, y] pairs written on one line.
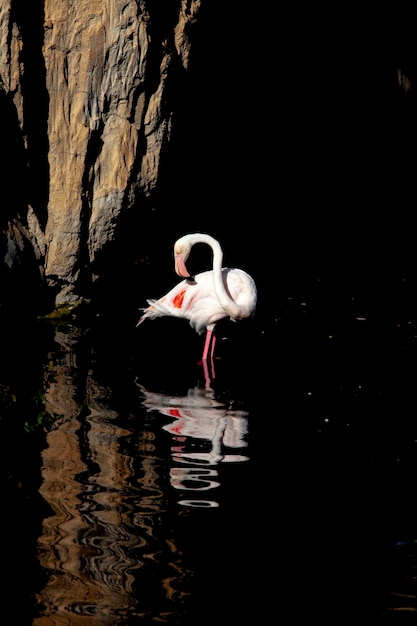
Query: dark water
[[134, 493]]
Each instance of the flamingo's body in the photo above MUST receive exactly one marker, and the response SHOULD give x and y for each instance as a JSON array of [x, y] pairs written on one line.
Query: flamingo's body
[[208, 297]]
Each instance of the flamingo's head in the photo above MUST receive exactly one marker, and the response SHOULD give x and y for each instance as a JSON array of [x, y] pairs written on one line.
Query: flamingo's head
[[182, 250]]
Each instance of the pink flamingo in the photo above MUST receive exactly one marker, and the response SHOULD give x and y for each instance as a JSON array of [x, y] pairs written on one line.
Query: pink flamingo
[[205, 298]]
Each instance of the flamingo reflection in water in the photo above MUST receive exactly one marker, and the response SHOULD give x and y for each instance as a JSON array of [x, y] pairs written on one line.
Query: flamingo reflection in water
[[198, 419]]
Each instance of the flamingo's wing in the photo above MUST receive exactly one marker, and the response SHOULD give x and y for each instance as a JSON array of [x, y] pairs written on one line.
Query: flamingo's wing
[[193, 300], [171, 304], [242, 289]]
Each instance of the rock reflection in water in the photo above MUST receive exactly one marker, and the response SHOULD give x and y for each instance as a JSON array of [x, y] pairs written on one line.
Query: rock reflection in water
[[202, 429], [103, 542]]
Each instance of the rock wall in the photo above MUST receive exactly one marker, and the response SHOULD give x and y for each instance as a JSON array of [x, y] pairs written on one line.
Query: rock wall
[[124, 123], [86, 95]]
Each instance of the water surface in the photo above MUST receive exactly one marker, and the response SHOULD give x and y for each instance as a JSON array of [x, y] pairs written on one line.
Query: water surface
[[282, 489]]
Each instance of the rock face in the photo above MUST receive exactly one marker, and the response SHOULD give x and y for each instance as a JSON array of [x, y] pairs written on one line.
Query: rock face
[[95, 97], [87, 107]]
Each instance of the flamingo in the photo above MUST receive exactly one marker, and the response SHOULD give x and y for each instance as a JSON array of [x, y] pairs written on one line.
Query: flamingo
[[205, 298]]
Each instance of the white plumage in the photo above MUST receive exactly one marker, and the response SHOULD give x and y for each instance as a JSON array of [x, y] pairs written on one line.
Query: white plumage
[[207, 297]]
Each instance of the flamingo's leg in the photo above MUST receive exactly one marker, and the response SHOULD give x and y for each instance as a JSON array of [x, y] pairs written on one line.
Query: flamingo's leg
[[206, 375], [207, 344], [213, 343], [210, 339]]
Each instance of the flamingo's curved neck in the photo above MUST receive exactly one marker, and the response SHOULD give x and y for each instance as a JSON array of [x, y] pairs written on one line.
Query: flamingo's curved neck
[[229, 305]]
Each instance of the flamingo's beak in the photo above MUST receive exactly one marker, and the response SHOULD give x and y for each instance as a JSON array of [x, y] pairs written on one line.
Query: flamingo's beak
[[180, 267]]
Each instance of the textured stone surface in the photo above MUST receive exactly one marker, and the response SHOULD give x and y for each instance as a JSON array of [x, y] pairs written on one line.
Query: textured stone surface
[[88, 83]]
